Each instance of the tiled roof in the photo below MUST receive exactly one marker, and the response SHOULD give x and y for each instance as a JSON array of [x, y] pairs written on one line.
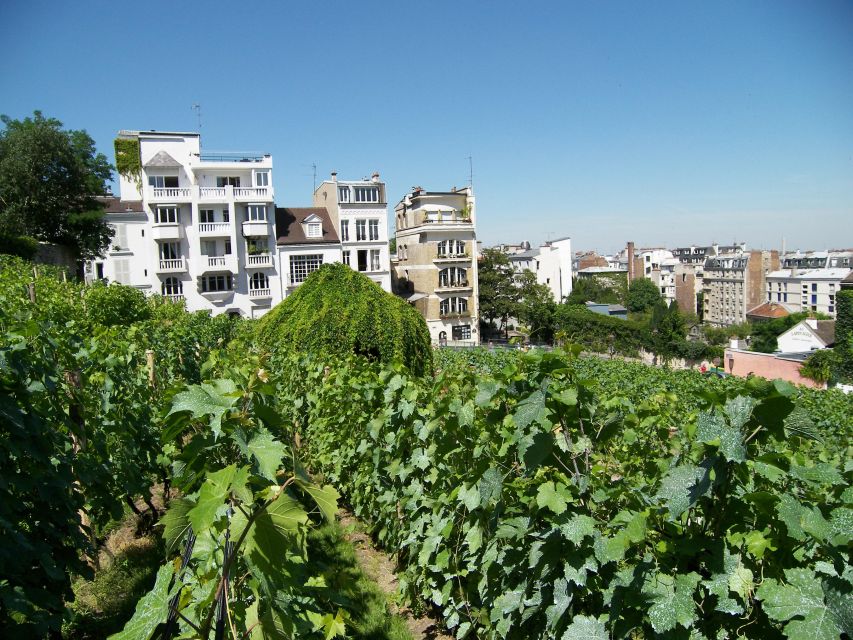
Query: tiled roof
[[769, 310], [288, 225], [162, 159], [826, 331], [117, 205]]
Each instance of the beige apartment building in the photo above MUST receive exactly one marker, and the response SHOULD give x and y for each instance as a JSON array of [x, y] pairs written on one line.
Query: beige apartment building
[[734, 283], [436, 266]]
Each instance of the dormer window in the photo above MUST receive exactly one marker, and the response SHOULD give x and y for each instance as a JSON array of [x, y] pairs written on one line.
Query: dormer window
[[313, 226]]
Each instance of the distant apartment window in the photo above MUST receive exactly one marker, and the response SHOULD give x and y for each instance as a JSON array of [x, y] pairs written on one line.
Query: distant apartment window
[[262, 179], [361, 229], [452, 305], [163, 182], [831, 308], [167, 215], [122, 271], [222, 181], [259, 280], [344, 230], [452, 277], [814, 286], [784, 297], [216, 282], [374, 260], [315, 230], [172, 287], [228, 247], [814, 299], [373, 226], [343, 194], [256, 213], [366, 194], [170, 250], [345, 258], [302, 266], [205, 215]]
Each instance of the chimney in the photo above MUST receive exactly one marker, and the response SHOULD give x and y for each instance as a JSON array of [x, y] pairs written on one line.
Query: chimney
[[375, 177], [334, 176], [630, 262]]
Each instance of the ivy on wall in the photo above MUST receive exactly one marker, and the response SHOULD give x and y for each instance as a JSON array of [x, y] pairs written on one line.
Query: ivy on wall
[[128, 159]]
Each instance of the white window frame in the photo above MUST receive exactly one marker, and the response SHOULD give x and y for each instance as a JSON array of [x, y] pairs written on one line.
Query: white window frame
[[259, 280], [262, 178], [206, 216], [344, 230], [302, 266], [373, 228], [172, 286], [360, 230], [375, 260], [366, 194], [345, 258], [226, 281], [256, 213], [313, 230], [168, 215], [344, 194]]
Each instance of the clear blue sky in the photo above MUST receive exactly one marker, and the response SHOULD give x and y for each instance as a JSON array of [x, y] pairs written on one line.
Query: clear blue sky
[[668, 123]]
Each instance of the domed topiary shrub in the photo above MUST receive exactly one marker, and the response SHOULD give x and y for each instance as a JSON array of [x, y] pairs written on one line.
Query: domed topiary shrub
[[338, 311]]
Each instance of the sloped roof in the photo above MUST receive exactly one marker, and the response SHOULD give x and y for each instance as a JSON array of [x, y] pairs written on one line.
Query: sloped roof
[[770, 310], [163, 160], [289, 229], [826, 331], [117, 205]]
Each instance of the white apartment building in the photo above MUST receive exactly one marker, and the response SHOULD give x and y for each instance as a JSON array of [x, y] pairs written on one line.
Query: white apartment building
[[554, 267], [807, 289], [359, 211], [436, 267], [307, 239], [193, 226]]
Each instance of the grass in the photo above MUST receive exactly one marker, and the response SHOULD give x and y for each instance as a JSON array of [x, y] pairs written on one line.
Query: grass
[[333, 557]]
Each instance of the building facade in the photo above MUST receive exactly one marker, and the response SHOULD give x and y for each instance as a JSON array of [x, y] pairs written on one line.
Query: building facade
[[436, 267], [734, 283], [806, 289], [359, 211], [307, 239], [195, 227]]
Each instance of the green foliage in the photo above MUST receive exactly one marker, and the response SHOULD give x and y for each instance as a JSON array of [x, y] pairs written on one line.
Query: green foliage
[[115, 304], [49, 179], [338, 311], [601, 333], [643, 295], [820, 365], [128, 158], [582, 498], [536, 307], [844, 333], [764, 334], [20, 246], [601, 289], [498, 293]]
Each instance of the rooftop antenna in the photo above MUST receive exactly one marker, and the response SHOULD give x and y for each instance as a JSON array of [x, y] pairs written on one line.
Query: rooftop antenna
[[197, 108], [471, 173], [314, 166]]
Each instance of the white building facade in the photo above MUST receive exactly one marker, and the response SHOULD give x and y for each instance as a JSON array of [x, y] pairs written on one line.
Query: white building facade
[[194, 227], [553, 267], [808, 289], [359, 211]]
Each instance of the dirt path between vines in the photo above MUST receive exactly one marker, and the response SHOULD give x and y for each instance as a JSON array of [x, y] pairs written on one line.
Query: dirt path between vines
[[380, 568]]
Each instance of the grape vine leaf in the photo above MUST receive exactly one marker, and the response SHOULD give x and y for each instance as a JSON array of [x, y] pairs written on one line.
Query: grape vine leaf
[[176, 523], [326, 498], [801, 596], [683, 486], [490, 486], [672, 599], [529, 410], [268, 451], [213, 398], [578, 528], [562, 600], [151, 610], [211, 498], [585, 628], [271, 530], [712, 429], [548, 496]]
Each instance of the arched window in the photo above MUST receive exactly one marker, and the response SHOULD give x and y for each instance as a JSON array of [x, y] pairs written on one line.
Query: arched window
[[451, 248], [259, 281], [452, 306], [452, 277], [172, 287]]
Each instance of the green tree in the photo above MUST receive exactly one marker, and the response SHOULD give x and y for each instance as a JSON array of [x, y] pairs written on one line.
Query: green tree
[[499, 294], [844, 334], [49, 180], [668, 329], [536, 307], [594, 290], [643, 295]]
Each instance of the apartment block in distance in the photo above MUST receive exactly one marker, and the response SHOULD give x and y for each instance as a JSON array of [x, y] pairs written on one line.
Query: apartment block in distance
[[810, 281], [193, 226], [734, 283], [436, 267], [359, 211]]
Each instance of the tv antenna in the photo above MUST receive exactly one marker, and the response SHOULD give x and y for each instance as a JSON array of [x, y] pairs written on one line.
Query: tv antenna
[[314, 166], [471, 172], [197, 108]]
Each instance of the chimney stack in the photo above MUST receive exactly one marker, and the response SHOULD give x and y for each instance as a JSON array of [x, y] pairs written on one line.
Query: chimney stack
[[375, 177], [334, 176], [630, 262]]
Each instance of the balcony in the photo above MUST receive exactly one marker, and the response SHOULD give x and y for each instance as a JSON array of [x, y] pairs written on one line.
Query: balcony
[[260, 294], [256, 228], [174, 297], [177, 265], [452, 286], [454, 314], [452, 257], [166, 231], [247, 194], [443, 217], [258, 261], [219, 263], [169, 194], [213, 193], [214, 229]]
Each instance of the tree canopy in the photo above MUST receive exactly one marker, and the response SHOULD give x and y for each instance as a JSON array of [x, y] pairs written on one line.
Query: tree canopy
[[536, 307], [49, 180], [643, 295], [595, 289], [498, 291]]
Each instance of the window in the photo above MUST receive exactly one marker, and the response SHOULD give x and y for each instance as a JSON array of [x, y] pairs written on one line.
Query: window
[[262, 179], [362, 259], [167, 215], [452, 277], [170, 250], [163, 182], [228, 247], [343, 194], [302, 266], [452, 306], [451, 248], [172, 287], [226, 215], [366, 194], [222, 181], [216, 282], [120, 237], [374, 260], [814, 286], [205, 215], [461, 332], [344, 230], [314, 230], [374, 229], [258, 280], [814, 299], [255, 246], [256, 213], [361, 229], [122, 271], [345, 258]]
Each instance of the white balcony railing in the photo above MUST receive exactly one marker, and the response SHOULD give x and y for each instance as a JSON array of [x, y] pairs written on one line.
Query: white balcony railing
[[260, 293], [211, 192], [174, 297], [251, 192], [214, 228], [216, 261], [259, 260], [166, 193], [176, 264]]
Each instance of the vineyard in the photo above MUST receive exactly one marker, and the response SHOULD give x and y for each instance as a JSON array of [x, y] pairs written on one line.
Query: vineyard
[[537, 495]]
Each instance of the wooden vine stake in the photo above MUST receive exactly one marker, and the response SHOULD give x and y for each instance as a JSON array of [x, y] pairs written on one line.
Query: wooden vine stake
[[149, 356], [31, 289]]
